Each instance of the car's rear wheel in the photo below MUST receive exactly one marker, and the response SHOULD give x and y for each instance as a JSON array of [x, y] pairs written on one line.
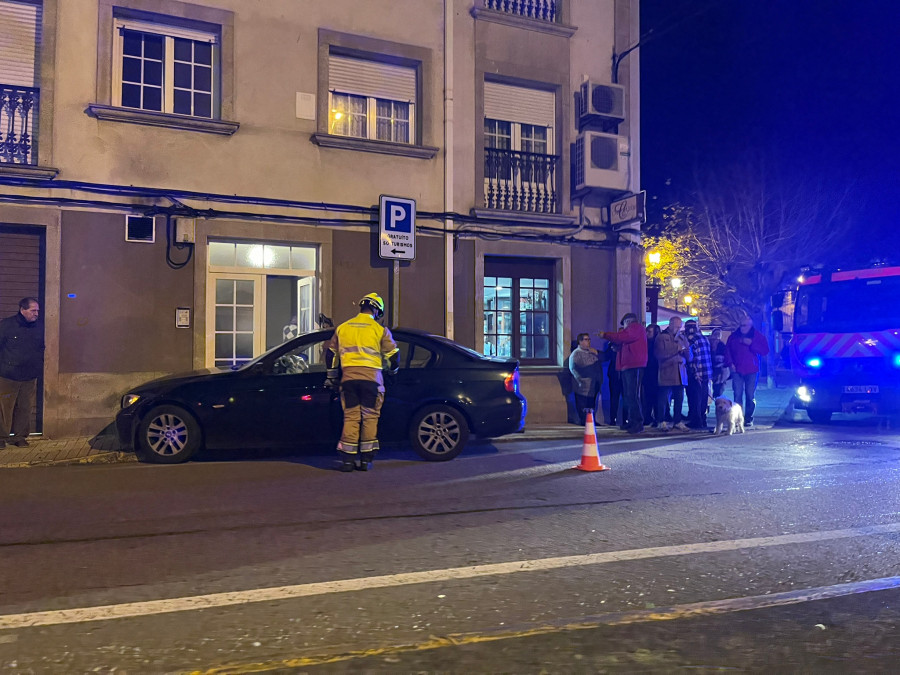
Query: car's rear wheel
[[168, 434], [819, 416], [438, 433]]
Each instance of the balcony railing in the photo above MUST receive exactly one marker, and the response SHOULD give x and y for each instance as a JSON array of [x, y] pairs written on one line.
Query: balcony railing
[[541, 10], [520, 181], [18, 124]]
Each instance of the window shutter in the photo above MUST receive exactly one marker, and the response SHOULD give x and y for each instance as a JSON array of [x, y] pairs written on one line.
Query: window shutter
[[20, 42], [519, 104], [371, 78], [165, 29]]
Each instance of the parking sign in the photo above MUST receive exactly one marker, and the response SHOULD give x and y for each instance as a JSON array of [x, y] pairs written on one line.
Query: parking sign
[[397, 229]]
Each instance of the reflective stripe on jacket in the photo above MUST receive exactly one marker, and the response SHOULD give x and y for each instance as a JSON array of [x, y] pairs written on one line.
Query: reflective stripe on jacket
[[361, 342]]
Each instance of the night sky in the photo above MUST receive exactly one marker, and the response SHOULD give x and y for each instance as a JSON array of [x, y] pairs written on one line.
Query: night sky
[[815, 83]]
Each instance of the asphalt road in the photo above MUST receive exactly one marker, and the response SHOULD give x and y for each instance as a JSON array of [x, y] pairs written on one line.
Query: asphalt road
[[776, 550]]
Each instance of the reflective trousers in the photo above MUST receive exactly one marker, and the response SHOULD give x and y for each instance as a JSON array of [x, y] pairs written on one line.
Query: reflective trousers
[[361, 402], [16, 406]]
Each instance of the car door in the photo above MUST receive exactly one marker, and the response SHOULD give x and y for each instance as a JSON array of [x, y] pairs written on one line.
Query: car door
[[280, 401], [416, 382]]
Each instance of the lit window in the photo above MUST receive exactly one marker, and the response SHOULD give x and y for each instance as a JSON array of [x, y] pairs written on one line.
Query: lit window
[[166, 69], [371, 100], [519, 309]]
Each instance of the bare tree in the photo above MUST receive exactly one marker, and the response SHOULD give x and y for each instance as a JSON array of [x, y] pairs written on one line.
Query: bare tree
[[747, 232]]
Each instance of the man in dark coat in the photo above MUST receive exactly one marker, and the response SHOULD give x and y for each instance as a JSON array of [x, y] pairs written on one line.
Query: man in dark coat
[[21, 363]]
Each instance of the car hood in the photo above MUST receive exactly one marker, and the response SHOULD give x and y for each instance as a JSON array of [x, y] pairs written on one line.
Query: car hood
[[176, 379]]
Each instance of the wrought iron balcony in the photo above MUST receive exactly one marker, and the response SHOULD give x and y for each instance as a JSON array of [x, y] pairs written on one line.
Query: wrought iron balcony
[[520, 181], [541, 10], [18, 124]]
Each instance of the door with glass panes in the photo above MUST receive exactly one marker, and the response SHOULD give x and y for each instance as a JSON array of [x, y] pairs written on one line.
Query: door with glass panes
[[258, 296]]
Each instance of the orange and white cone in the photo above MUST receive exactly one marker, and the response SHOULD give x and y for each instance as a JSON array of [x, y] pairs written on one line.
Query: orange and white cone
[[590, 455]]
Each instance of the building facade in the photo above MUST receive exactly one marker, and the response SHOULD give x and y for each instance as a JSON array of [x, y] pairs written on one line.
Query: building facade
[[185, 184]]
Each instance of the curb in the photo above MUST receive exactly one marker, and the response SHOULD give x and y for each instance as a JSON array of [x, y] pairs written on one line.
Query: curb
[[98, 458]]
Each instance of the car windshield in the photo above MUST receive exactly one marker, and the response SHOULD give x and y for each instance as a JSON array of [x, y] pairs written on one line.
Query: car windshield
[[859, 305]]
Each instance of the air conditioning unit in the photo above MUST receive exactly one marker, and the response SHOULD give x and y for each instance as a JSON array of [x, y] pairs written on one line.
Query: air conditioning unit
[[602, 104], [601, 162]]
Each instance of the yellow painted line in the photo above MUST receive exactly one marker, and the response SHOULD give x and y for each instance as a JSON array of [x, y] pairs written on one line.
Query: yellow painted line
[[233, 598], [613, 619]]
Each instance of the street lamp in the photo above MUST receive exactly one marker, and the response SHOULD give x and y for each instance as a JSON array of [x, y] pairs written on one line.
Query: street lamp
[[676, 284], [654, 257]]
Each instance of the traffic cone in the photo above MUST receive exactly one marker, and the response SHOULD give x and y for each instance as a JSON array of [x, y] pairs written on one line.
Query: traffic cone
[[590, 456]]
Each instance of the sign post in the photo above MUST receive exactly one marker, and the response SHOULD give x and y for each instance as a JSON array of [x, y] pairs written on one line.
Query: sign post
[[396, 240]]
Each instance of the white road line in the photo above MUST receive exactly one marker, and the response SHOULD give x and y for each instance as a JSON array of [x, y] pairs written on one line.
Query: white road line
[[150, 607]]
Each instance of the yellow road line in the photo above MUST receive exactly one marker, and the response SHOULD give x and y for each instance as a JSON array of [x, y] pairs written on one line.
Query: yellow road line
[[613, 619]]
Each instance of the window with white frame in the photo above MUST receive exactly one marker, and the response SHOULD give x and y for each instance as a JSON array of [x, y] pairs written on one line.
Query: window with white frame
[[519, 165], [166, 68], [518, 118], [371, 99]]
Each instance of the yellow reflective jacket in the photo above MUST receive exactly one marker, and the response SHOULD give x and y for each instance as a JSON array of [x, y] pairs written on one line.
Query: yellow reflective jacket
[[362, 341]]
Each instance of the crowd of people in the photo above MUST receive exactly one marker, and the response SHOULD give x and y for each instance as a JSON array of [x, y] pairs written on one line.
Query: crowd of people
[[650, 371]]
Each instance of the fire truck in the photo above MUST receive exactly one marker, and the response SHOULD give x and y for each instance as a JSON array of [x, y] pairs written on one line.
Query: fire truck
[[845, 346]]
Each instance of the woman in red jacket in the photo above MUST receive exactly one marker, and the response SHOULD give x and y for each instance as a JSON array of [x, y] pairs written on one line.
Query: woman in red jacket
[[630, 362], [742, 352]]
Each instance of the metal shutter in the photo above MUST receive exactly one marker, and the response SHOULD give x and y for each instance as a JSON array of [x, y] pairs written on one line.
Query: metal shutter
[[519, 104], [371, 78], [20, 268], [20, 42]]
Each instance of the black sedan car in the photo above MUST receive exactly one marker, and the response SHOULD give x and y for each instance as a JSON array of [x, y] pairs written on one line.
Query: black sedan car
[[442, 393]]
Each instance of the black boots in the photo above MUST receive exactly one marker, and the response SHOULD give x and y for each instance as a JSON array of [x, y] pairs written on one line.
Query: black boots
[[365, 461], [347, 463]]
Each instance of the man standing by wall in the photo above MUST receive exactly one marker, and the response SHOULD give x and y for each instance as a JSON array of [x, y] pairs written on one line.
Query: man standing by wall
[[585, 366], [359, 346], [742, 352], [21, 363], [630, 362]]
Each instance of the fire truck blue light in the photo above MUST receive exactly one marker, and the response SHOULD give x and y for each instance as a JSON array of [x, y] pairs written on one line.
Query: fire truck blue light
[[814, 362]]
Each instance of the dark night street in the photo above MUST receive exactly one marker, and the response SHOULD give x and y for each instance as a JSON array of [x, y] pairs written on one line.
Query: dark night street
[[751, 552]]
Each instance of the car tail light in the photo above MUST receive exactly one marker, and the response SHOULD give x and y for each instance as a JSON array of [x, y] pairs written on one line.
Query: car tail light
[[511, 382]]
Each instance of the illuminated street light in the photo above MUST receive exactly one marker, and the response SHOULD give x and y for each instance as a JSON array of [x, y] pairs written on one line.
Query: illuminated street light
[[688, 299], [654, 257]]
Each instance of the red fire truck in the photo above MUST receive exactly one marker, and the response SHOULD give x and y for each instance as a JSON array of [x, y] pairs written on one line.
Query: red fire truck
[[845, 346]]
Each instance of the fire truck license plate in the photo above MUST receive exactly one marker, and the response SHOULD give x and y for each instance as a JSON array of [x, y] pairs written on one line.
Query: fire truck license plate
[[861, 389]]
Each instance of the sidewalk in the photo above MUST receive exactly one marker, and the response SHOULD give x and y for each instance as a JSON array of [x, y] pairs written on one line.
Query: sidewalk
[[771, 405]]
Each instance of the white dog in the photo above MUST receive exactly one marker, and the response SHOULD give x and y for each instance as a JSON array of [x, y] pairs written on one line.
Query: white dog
[[728, 414]]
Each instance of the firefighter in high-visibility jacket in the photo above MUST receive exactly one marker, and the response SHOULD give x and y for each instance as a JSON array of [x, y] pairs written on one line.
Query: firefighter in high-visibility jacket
[[358, 348]]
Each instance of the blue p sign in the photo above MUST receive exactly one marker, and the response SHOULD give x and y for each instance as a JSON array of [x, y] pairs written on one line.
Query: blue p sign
[[398, 217]]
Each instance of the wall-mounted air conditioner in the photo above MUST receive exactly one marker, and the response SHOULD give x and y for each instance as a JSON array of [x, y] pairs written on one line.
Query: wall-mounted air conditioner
[[600, 104], [601, 161]]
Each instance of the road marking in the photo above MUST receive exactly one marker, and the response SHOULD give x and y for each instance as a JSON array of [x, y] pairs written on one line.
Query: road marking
[[685, 611], [232, 598]]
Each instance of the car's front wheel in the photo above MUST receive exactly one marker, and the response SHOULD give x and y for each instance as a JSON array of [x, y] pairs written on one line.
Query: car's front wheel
[[438, 433], [168, 434]]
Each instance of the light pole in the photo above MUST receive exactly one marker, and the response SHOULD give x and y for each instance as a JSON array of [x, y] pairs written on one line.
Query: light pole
[[676, 284], [652, 289]]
